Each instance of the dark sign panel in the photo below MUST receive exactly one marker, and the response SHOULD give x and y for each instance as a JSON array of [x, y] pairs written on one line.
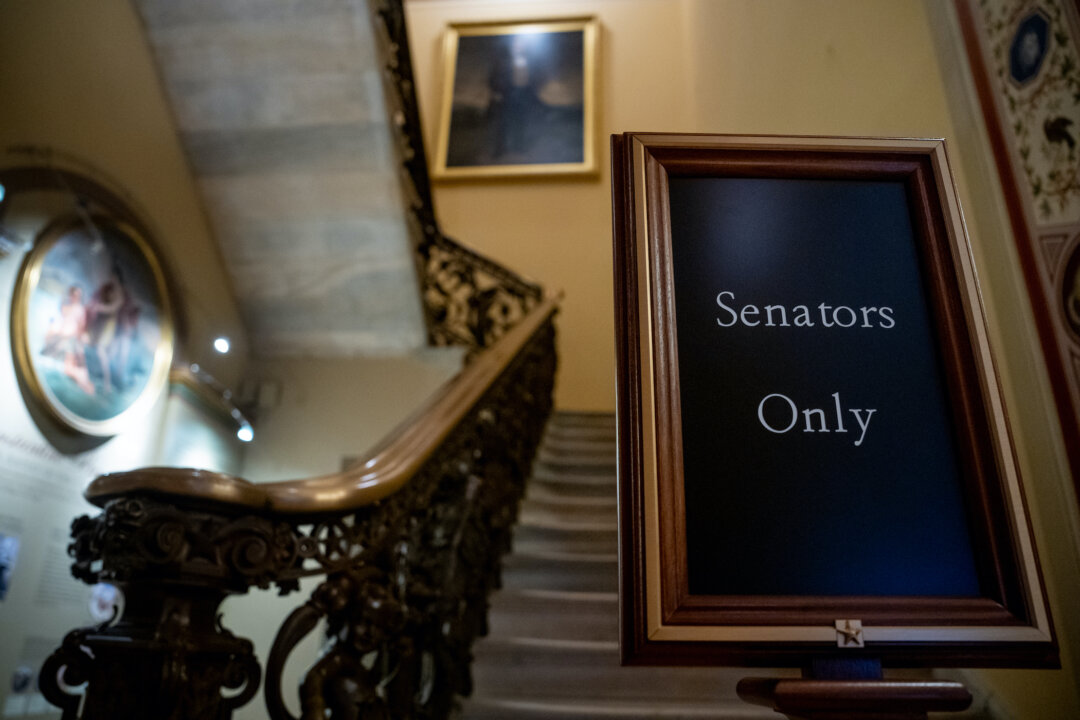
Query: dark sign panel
[[811, 438], [805, 345]]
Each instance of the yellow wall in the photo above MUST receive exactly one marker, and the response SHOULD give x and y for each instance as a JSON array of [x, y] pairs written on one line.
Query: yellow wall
[[320, 411], [831, 67], [862, 67], [1051, 500], [79, 78], [865, 67], [558, 231]]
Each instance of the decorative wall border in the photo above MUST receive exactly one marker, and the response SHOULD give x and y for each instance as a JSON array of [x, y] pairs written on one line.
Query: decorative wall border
[[1029, 94]]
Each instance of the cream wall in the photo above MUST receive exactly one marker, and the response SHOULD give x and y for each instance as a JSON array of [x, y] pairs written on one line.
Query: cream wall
[[835, 67], [861, 67], [319, 411], [1051, 500], [78, 77], [558, 231]]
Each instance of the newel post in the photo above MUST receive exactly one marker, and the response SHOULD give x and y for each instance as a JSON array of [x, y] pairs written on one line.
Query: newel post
[[166, 655]]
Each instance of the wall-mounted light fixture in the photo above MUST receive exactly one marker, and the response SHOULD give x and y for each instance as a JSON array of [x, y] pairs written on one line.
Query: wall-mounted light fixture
[[245, 433], [215, 395]]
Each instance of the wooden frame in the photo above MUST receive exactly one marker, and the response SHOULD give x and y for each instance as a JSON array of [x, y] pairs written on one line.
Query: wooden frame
[[519, 98], [1005, 622], [91, 323]]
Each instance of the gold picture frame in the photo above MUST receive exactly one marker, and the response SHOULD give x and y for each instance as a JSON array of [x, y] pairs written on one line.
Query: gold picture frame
[[519, 99], [91, 323]]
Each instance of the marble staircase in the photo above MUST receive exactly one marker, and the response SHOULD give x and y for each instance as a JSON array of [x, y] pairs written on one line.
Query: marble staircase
[[552, 652]]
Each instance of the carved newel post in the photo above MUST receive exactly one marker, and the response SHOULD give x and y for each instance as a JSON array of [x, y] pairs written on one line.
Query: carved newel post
[[409, 541], [166, 655]]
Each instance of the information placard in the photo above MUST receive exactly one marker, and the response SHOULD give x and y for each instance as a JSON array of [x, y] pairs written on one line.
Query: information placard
[[811, 433]]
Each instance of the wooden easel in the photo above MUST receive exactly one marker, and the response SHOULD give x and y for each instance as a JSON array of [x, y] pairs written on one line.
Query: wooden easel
[[840, 689]]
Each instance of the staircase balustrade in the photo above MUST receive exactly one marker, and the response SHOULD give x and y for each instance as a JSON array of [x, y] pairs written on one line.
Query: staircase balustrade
[[409, 538], [468, 299], [410, 541]]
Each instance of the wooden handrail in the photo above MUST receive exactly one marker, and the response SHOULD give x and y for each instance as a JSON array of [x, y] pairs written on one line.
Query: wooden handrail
[[383, 471], [409, 539]]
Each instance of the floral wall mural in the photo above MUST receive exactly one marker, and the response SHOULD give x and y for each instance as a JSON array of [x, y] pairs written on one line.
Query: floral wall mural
[[1026, 65]]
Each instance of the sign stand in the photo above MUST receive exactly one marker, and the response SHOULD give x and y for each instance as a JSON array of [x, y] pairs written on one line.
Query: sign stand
[[815, 466], [835, 689]]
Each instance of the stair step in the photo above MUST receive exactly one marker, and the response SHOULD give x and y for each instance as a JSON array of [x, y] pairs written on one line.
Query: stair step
[[569, 418], [538, 553], [561, 539], [604, 489], [532, 515], [571, 445], [598, 436], [551, 495], [545, 614], [587, 439], [496, 708], [585, 465], [590, 463], [542, 668], [561, 571], [602, 513], [573, 543], [558, 430], [592, 481]]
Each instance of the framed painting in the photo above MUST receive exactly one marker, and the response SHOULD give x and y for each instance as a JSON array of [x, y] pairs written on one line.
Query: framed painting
[[814, 459], [92, 323], [519, 98]]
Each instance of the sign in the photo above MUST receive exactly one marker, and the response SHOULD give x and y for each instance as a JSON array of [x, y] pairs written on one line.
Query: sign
[[811, 437]]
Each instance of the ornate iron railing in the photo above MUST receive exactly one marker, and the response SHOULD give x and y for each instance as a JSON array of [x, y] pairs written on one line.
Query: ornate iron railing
[[409, 538], [468, 299]]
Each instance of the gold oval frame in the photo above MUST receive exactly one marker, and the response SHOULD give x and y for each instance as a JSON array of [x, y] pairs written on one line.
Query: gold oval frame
[[28, 282]]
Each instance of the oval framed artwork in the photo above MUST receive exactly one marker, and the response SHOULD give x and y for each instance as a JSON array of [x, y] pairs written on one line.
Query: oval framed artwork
[[92, 324]]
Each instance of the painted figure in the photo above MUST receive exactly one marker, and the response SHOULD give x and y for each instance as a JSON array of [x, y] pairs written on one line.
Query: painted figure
[[66, 336], [513, 96], [112, 323]]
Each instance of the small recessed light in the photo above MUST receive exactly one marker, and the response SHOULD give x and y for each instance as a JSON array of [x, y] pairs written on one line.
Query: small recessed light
[[3, 192], [245, 433], [221, 344]]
